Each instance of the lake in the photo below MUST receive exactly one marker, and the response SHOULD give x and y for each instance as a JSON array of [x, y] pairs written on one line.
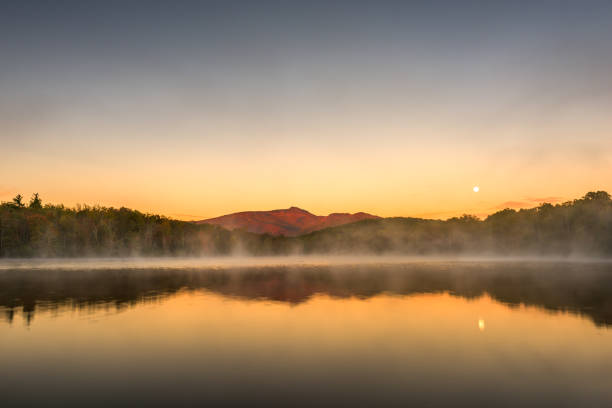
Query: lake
[[305, 333]]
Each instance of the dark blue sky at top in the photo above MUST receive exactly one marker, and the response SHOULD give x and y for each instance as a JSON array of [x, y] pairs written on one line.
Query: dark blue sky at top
[[250, 60], [301, 55], [446, 89], [56, 35]]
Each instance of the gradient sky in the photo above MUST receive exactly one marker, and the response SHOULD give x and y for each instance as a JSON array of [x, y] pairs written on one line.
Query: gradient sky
[[196, 109]]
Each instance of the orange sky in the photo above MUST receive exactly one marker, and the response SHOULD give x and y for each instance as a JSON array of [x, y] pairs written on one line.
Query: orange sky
[[393, 178], [395, 111]]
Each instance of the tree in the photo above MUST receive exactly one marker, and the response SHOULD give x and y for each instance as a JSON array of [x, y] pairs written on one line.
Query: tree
[[18, 201], [35, 202], [597, 196]]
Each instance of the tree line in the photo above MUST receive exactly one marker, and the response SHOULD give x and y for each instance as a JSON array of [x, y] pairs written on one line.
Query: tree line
[[57, 231], [578, 227]]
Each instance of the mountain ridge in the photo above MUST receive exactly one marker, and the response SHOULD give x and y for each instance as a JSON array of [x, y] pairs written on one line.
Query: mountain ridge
[[292, 221]]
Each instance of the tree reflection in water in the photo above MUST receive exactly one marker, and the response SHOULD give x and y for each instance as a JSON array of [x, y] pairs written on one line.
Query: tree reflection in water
[[581, 288]]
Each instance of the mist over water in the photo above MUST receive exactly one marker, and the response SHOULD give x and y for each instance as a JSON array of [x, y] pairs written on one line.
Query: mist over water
[[305, 331], [551, 283], [245, 261]]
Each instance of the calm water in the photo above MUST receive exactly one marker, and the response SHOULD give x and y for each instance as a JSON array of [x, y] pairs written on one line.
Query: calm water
[[398, 334]]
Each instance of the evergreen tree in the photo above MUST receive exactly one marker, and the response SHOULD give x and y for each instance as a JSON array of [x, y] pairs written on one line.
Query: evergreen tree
[[35, 202], [18, 201]]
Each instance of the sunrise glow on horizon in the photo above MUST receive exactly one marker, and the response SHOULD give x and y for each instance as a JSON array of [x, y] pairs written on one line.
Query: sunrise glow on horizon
[[396, 108]]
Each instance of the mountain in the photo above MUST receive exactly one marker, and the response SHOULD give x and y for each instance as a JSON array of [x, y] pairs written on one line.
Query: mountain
[[288, 222], [579, 228]]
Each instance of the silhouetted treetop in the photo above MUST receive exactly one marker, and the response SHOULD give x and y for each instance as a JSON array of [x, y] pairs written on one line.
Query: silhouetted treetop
[[18, 201], [35, 202]]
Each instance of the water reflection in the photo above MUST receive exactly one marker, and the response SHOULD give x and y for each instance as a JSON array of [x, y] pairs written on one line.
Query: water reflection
[[419, 334], [581, 288]]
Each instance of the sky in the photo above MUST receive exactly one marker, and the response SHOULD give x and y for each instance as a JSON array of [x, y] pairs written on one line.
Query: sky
[[198, 109]]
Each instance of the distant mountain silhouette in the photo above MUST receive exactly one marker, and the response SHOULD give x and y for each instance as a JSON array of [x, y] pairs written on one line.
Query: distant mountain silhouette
[[288, 222]]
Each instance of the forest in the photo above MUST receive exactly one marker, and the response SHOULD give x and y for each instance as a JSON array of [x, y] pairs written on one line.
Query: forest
[[581, 227]]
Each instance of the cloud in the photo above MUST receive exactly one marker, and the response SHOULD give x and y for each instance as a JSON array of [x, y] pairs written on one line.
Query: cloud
[[539, 200], [527, 202]]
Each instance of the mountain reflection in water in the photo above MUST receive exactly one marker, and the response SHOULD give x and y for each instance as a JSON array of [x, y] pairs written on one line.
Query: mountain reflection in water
[[406, 334], [580, 288]]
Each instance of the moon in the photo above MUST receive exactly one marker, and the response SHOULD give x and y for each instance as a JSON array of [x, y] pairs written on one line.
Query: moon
[[476, 189]]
